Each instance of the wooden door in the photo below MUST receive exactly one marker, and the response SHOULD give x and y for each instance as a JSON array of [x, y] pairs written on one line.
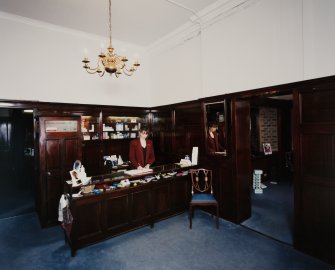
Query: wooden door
[[59, 147], [314, 156]]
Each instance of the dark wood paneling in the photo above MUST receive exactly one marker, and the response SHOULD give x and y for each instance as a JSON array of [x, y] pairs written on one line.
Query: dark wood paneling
[[176, 129], [141, 207], [72, 146], [52, 193], [224, 185], [90, 215], [97, 217], [318, 106], [242, 171], [181, 193], [52, 154], [188, 130], [116, 216], [161, 199], [162, 131], [315, 178], [318, 156]]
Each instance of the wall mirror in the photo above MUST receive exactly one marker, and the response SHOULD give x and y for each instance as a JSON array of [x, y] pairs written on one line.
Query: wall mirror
[[215, 127]]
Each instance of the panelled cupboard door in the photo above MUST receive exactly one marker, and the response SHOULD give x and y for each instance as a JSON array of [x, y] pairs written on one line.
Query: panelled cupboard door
[[59, 147], [315, 179]]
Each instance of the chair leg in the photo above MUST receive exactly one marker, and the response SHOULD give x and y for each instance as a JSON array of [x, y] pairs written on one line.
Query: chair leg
[[190, 214]]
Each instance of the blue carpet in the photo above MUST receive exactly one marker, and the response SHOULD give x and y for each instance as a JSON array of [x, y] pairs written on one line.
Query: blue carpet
[[15, 202], [169, 245], [272, 212]]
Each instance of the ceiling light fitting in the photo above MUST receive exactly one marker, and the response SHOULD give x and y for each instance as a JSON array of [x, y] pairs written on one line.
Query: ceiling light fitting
[[110, 62]]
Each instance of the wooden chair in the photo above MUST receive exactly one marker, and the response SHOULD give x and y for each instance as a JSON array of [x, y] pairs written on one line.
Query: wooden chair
[[202, 192]]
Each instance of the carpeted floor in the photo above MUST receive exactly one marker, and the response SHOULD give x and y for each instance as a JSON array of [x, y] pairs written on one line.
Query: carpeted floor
[[16, 202], [272, 212], [169, 245]]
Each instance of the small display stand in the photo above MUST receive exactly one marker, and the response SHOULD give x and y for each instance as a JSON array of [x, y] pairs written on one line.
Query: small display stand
[[257, 183]]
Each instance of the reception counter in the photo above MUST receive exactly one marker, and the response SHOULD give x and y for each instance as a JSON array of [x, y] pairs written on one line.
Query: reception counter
[[110, 209]]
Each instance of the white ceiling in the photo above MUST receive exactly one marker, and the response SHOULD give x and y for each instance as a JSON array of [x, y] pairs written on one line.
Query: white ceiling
[[140, 22]]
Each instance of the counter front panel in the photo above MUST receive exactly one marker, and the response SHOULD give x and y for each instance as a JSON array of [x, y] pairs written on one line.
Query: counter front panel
[[110, 210]]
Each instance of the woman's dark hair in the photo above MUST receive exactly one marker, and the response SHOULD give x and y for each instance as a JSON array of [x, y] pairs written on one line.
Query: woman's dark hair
[[144, 128], [212, 124]]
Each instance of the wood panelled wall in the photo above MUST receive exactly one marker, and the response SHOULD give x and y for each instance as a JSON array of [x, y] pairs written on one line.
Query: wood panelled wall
[[315, 179], [178, 127]]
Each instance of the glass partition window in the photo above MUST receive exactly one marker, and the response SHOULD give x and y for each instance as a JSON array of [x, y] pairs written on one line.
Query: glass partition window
[[215, 121]]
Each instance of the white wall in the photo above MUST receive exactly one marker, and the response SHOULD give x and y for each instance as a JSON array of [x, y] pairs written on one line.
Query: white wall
[[265, 43], [319, 38], [43, 62], [175, 74], [257, 46]]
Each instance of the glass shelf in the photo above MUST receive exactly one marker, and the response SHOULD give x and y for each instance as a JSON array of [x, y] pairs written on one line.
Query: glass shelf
[[90, 128], [120, 127]]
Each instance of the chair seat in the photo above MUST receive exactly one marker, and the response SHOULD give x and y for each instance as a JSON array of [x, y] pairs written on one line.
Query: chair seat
[[203, 197]]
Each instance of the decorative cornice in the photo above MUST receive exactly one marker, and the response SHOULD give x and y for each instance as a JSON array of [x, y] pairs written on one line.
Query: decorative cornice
[[45, 25], [62, 29], [198, 23]]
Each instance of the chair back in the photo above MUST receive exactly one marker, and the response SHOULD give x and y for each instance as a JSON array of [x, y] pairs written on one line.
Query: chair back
[[201, 181]]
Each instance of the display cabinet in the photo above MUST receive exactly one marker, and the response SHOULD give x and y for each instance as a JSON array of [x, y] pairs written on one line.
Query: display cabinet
[[121, 127], [90, 127], [107, 132], [118, 202]]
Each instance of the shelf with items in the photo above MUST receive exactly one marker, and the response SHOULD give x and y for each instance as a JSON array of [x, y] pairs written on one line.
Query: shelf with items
[[121, 127], [90, 128]]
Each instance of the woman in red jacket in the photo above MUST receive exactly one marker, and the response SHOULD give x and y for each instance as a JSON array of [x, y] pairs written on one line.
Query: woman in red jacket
[[213, 144], [141, 151]]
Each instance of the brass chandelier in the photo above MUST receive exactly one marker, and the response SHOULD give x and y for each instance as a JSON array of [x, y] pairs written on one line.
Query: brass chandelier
[[110, 62]]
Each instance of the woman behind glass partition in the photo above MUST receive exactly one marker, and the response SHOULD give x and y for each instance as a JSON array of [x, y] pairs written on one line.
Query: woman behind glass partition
[[213, 144], [215, 133]]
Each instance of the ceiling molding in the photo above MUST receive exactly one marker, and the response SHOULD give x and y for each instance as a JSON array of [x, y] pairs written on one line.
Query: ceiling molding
[[47, 26], [68, 31], [199, 22]]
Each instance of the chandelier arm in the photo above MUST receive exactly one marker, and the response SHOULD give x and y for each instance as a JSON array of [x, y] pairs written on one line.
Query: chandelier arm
[[127, 72], [131, 70], [102, 73], [91, 70]]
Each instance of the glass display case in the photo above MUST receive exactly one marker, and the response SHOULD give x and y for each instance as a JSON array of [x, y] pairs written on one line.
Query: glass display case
[[215, 115], [122, 179], [117, 203]]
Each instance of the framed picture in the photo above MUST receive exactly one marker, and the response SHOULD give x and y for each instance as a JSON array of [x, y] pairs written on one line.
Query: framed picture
[[267, 149], [133, 135]]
